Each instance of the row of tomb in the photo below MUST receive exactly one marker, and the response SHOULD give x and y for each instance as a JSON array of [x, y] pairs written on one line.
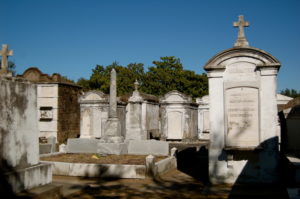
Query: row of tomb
[[66, 112]]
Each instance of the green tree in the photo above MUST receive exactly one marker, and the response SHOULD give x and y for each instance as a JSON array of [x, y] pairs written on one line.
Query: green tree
[[168, 74], [84, 83], [100, 78], [290, 92]]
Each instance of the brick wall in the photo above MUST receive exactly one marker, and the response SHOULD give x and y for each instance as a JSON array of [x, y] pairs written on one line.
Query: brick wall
[[68, 125]]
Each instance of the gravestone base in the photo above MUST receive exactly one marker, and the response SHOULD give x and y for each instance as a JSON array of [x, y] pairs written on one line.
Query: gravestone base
[[29, 177], [5, 73], [146, 147], [135, 134], [112, 148], [82, 145], [112, 139], [112, 133]]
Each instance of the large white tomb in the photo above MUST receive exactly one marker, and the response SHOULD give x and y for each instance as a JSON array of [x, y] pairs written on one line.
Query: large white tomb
[[243, 114]]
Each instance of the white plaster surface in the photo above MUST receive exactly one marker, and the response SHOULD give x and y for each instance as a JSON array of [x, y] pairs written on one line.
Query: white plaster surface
[[146, 147], [18, 123], [179, 116], [19, 136], [243, 121]]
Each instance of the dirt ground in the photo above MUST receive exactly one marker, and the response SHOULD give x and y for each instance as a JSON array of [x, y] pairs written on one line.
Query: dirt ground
[[172, 185], [99, 159]]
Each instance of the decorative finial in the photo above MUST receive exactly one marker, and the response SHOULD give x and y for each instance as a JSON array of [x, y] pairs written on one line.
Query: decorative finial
[[241, 40], [136, 85]]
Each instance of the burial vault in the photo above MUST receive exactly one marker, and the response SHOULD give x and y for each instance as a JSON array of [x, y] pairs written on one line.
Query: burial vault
[[243, 113]]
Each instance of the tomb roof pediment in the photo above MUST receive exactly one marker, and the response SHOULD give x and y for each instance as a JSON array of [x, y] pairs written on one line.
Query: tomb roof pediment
[[176, 97], [93, 96], [219, 60], [33, 74]]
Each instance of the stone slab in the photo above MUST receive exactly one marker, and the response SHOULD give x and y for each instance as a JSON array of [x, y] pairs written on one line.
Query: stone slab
[[112, 148], [45, 148], [147, 147], [98, 170], [82, 145], [166, 165]]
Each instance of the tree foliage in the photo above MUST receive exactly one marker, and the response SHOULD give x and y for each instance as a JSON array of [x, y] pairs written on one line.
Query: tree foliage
[[166, 75], [290, 92], [126, 76]]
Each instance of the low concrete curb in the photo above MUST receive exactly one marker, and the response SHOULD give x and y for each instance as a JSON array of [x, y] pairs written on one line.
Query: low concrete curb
[[114, 170]]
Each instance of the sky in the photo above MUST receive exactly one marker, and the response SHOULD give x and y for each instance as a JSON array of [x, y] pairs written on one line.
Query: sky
[[71, 37]]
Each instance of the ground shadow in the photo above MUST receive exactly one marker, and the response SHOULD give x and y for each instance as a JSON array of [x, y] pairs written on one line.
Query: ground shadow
[[262, 175], [194, 162], [6, 189]]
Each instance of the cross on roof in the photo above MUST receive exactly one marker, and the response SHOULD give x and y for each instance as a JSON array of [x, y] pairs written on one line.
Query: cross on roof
[[5, 53], [241, 40]]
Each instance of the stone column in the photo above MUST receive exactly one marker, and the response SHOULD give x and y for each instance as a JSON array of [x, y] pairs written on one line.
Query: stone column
[[217, 167], [113, 95], [112, 131]]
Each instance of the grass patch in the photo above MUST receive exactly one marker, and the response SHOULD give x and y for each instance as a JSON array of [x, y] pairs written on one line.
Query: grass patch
[[100, 159]]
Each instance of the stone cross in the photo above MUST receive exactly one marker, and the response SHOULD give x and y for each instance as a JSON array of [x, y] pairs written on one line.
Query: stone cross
[[136, 85], [5, 53], [113, 94], [241, 40]]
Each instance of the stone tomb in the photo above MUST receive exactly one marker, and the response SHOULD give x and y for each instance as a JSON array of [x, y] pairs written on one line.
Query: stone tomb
[[203, 117], [290, 125], [142, 116], [179, 117], [243, 114], [94, 108], [58, 107], [19, 133]]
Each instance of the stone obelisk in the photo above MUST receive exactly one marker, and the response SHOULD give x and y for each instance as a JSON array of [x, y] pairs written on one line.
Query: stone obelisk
[[112, 132]]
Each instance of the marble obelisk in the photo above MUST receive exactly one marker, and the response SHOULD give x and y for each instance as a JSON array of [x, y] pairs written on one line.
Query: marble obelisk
[[112, 132]]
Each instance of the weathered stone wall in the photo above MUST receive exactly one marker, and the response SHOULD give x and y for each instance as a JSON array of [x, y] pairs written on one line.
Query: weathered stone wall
[[18, 124], [68, 123], [152, 119], [121, 114]]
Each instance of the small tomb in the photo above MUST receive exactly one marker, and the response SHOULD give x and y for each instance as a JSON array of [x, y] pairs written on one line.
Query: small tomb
[[179, 116], [94, 107]]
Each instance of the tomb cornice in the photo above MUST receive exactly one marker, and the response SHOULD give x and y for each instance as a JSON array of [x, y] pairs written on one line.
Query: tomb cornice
[[217, 62]]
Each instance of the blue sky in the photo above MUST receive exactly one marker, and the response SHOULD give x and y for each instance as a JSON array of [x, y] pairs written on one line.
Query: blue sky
[[71, 36]]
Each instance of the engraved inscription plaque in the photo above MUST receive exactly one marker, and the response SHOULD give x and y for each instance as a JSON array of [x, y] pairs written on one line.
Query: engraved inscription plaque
[[241, 111], [46, 113]]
